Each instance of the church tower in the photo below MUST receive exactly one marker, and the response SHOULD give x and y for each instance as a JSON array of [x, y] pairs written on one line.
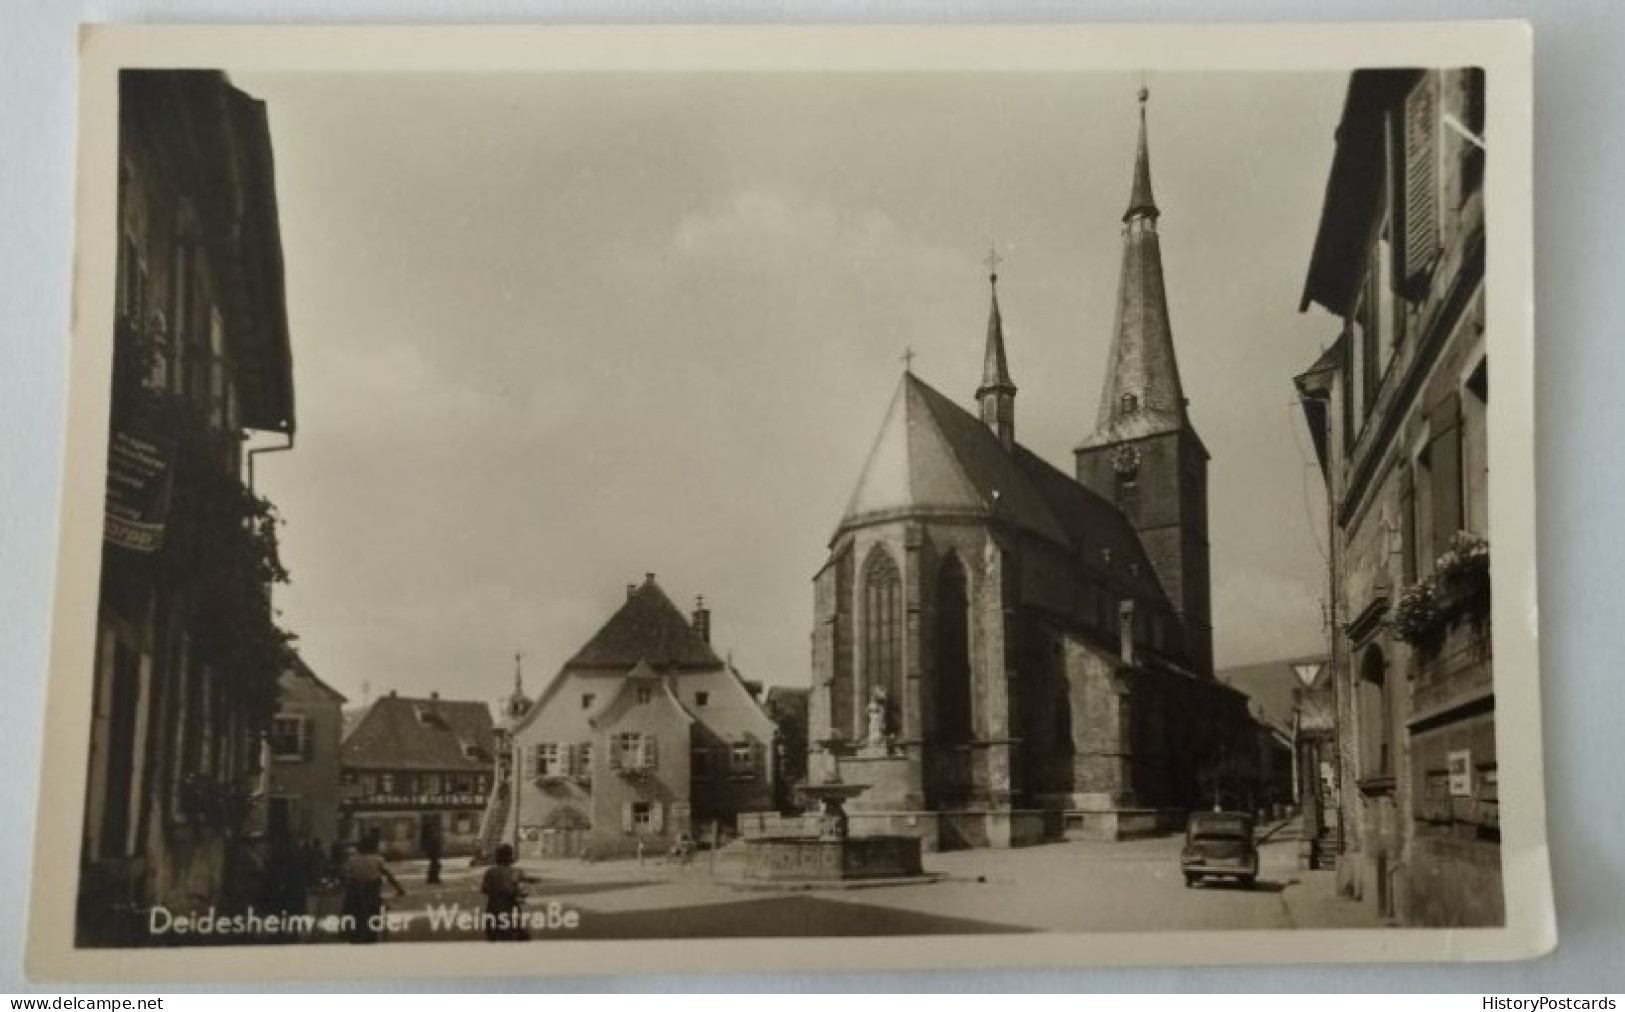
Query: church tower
[[997, 394], [1143, 454]]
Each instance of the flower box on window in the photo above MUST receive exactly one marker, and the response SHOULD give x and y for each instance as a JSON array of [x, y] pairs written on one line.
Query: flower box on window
[[1458, 590]]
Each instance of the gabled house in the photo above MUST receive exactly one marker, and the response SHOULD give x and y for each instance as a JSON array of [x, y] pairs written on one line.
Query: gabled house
[[645, 733], [188, 650], [1398, 407], [303, 773], [413, 767]]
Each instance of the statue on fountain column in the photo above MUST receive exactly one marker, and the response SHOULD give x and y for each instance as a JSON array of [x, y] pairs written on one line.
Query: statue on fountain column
[[876, 741]]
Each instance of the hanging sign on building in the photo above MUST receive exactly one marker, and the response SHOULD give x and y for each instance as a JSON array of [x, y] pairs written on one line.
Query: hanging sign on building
[[139, 473]]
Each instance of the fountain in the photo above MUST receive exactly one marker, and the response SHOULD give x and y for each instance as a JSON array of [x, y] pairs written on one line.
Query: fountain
[[834, 858]]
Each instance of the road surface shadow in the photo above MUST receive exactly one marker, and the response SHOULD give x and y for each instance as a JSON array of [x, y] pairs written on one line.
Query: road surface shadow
[[778, 917], [1261, 886]]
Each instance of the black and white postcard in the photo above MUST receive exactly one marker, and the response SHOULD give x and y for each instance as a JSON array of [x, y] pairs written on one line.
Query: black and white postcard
[[733, 496]]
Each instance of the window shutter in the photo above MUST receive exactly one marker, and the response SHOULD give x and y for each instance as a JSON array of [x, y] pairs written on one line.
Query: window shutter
[[1407, 522], [305, 743], [651, 754], [758, 758], [1419, 149], [1446, 454], [626, 816], [657, 817], [615, 752]]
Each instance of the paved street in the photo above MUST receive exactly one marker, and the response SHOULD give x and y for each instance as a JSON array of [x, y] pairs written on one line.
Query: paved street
[[1074, 886]]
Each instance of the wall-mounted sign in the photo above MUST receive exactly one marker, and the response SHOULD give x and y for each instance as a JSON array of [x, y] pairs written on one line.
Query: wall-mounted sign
[[138, 481], [1460, 767]]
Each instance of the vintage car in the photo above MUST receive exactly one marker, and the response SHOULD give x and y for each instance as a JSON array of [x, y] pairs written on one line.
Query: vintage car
[[1219, 845]]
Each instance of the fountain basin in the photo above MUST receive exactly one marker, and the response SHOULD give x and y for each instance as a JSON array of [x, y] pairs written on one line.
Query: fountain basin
[[810, 860]]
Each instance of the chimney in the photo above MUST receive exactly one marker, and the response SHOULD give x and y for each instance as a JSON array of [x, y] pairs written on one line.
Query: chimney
[[631, 589], [434, 695], [702, 618], [391, 693], [1125, 630]]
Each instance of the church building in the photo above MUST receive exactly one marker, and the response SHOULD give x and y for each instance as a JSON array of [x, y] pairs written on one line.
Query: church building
[[1005, 652]]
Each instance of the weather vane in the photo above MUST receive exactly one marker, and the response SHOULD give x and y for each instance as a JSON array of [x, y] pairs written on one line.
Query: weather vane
[[993, 261]]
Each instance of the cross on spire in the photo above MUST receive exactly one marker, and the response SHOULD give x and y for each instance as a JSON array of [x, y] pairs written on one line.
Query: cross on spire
[[993, 260], [908, 359]]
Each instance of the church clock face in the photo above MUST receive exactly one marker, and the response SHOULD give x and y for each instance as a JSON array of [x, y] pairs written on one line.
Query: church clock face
[[1126, 461]]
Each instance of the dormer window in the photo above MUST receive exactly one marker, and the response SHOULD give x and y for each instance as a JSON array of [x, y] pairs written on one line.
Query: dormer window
[[645, 693], [587, 699], [1129, 403], [702, 698]]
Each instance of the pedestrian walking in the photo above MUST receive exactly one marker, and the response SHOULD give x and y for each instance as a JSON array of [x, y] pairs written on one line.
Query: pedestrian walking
[[504, 889], [364, 874]]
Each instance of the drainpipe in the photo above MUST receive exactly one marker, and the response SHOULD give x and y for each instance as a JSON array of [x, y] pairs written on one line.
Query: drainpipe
[[285, 447]]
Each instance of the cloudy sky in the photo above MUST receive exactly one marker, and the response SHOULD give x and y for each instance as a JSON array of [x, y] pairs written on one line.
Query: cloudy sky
[[552, 332]]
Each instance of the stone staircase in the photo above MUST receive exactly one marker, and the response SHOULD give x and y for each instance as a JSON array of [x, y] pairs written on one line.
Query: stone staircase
[[493, 823]]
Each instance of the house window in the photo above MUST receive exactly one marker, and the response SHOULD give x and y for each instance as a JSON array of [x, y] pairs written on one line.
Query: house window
[[581, 760], [742, 759], [287, 738], [1475, 449], [470, 750], [547, 760], [642, 817], [369, 784], [1472, 168], [632, 750], [386, 783], [882, 624], [587, 700], [429, 783], [702, 698], [1376, 716], [645, 693]]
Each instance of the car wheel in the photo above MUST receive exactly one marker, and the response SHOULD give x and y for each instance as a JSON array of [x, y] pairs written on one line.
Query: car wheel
[[1190, 881], [1248, 881]]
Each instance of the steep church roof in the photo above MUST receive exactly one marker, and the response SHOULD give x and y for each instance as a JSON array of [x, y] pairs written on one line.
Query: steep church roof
[[936, 459], [647, 628], [1142, 395]]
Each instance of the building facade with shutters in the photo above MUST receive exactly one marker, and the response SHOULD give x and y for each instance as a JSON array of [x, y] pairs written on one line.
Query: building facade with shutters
[[418, 767], [1005, 652], [188, 653], [302, 776], [644, 734], [1397, 406]]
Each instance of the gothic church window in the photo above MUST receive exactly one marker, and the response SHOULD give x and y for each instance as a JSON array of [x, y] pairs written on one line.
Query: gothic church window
[[882, 624], [953, 688]]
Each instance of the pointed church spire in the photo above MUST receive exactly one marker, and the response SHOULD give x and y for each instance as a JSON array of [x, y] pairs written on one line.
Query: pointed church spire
[[997, 394], [1142, 395], [1139, 198]]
